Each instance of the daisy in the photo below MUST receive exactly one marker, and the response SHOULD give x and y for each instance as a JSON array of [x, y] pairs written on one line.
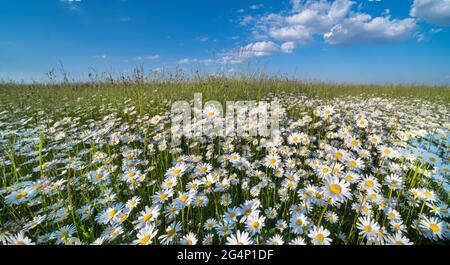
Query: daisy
[[294, 139], [368, 227], [210, 224], [336, 189], [398, 239], [394, 182], [374, 139], [369, 183], [112, 232], [255, 223], [176, 171], [64, 233], [432, 228], [147, 216], [189, 239], [241, 238], [298, 241], [133, 202], [386, 152], [275, 240], [319, 236], [272, 161], [331, 217], [281, 225], [224, 228], [362, 123], [108, 215], [298, 223], [171, 233], [327, 111], [169, 183], [162, 196], [354, 164], [145, 235], [203, 169], [19, 239], [98, 176]]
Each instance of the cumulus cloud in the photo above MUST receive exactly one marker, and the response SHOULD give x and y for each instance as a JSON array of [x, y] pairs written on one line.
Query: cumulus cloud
[[258, 49], [432, 11], [288, 47], [198, 61], [338, 22], [256, 6], [365, 29], [74, 5], [149, 57], [102, 56]]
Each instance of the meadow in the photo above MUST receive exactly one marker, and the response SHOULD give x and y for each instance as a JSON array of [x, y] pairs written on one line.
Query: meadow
[[95, 163]]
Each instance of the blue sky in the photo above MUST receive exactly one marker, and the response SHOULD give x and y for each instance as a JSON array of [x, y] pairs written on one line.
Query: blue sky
[[367, 41]]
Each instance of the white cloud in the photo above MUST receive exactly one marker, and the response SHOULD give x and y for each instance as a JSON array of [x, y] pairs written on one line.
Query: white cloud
[[246, 20], [298, 33], [288, 47], [149, 57], [432, 11], [365, 29], [183, 61], [256, 6], [72, 4], [198, 61], [103, 57], [258, 49], [204, 38], [337, 22]]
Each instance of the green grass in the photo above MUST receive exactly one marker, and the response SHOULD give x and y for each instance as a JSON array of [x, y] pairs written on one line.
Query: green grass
[[222, 89]]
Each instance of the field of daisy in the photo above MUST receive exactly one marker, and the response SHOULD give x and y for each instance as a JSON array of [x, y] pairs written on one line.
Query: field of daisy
[[96, 163]]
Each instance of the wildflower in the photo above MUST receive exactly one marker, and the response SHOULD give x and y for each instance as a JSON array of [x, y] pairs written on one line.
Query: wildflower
[[145, 235], [319, 236], [241, 238]]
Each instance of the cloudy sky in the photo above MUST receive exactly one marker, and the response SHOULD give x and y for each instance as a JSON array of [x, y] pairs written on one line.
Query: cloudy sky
[[366, 41]]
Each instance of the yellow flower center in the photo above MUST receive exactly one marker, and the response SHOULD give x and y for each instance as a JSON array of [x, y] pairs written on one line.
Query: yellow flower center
[[255, 224], [20, 195], [369, 183], [111, 213], [148, 216], [335, 189], [144, 240], [170, 233], [435, 228], [320, 237], [368, 228]]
